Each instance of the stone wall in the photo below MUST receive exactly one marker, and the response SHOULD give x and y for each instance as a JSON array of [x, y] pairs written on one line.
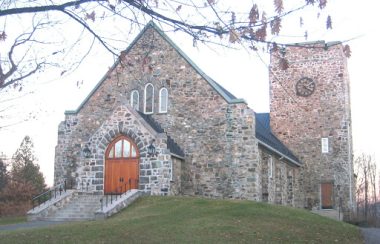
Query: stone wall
[[301, 122], [155, 172], [278, 186], [175, 181], [218, 137]]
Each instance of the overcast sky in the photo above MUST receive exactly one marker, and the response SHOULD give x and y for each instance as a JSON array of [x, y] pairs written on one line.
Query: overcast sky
[[244, 74]]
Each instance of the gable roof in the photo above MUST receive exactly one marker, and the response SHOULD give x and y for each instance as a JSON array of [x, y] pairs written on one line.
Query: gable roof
[[263, 131], [228, 97], [268, 140]]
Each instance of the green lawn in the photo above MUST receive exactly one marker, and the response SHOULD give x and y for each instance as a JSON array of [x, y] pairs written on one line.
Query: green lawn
[[12, 220], [196, 220]]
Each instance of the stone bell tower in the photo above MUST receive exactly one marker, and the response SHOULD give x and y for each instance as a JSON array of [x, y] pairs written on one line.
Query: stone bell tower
[[310, 112]]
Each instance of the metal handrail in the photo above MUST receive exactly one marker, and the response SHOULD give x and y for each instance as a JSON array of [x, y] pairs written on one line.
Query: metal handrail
[[104, 201], [49, 194]]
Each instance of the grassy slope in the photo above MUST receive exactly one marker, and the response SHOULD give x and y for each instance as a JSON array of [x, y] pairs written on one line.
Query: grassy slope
[[185, 219], [12, 220]]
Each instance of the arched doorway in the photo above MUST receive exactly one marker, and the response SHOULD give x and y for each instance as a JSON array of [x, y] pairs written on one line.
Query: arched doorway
[[121, 166]]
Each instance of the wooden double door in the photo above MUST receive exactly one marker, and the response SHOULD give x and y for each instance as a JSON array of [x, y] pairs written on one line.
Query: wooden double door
[[121, 166]]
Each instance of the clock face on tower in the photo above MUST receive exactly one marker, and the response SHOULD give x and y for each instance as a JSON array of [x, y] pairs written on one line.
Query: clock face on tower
[[305, 87]]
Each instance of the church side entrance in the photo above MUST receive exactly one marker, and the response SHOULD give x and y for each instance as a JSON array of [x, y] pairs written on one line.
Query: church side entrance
[[121, 166], [327, 195]]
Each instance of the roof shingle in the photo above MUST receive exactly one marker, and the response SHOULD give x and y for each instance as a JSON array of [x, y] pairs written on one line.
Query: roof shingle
[[269, 140]]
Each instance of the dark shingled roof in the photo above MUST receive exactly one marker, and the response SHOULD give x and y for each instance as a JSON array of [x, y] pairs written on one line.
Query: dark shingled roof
[[267, 139], [173, 147], [148, 118]]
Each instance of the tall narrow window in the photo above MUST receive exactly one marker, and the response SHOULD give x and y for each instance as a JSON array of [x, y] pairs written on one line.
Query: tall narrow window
[[270, 167], [135, 100], [163, 100], [325, 145], [149, 99]]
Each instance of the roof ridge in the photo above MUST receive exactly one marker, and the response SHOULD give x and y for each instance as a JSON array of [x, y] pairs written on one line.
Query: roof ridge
[[228, 96], [221, 90]]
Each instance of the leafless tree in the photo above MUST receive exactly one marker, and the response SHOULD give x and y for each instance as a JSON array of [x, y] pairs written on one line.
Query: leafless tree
[[366, 197], [102, 21], [16, 67]]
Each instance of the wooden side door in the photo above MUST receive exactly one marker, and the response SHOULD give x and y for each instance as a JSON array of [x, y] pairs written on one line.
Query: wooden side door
[[327, 195], [121, 166]]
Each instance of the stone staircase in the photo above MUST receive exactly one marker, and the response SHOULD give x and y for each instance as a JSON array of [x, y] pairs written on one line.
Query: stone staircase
[[80, 207], [73, 205]]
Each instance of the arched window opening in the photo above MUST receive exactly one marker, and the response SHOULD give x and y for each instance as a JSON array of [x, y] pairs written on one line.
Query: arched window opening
[[135, 100], [122, 148], [163, 108], [149, 99]]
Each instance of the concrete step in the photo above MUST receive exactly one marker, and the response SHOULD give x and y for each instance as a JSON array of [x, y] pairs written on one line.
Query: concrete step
[[68, 219], [80, 207], [69, 211], [329, 213]]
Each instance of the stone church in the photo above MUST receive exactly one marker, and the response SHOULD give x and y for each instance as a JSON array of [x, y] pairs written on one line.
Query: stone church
[[156, 122]]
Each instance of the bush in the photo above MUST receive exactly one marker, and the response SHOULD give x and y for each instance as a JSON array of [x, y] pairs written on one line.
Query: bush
[[15, 198]]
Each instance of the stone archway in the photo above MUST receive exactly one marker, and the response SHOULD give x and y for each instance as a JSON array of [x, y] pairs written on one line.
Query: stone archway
[[121, 166]]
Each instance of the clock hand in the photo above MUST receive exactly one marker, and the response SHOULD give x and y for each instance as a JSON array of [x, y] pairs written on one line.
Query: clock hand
[[308, 88]]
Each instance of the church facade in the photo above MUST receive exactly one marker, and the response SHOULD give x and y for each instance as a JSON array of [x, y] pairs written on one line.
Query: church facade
[[156, 122]]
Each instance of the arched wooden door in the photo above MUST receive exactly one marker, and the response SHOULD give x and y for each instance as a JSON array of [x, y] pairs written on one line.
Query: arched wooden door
[[121, 166]]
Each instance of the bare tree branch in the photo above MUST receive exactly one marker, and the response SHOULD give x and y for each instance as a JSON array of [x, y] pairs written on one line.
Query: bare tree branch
[[223, 23], [90, 30], [13, 66], [45, 8]]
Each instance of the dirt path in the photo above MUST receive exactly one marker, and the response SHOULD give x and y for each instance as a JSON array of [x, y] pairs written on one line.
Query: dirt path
[[371, 235]]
